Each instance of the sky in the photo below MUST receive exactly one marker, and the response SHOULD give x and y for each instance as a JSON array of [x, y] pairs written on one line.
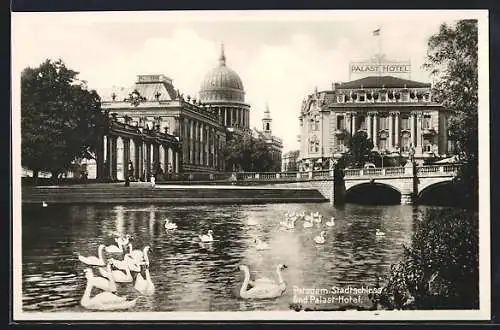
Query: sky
[[281, 57]]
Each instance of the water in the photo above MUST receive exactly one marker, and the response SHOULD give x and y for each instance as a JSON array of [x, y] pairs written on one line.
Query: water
[[193, 276]]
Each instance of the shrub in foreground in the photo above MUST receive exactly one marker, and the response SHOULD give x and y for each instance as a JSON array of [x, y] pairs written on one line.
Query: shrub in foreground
[[440, 268]]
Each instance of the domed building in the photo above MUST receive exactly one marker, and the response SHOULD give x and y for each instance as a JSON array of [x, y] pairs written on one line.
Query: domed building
[[222, 90]]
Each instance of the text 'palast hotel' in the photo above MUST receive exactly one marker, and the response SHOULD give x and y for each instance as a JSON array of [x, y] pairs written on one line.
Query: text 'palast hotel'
[[399, 115]]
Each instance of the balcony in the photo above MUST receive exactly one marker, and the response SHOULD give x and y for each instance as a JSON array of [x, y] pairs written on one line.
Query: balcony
[[340, 132], [428, 131]]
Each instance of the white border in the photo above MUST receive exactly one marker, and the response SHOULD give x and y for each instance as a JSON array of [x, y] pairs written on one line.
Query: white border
[[484, 168]]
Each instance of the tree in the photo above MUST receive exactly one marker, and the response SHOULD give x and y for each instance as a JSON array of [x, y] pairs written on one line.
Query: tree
[[58, 118], [292, 165], [452, 59], [440, 269], [360, 147], [248, 153]]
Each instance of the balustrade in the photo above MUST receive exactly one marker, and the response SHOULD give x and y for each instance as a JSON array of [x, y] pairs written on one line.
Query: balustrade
[[423, 171]]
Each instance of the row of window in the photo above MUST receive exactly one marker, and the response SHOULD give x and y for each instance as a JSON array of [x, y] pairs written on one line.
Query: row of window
[[383, 97], [383, 122], [383, 144]]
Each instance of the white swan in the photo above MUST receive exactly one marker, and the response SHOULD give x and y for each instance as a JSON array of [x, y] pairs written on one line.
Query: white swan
[[144, 285], [170, 225], [127, 263], [321, 238], [44, 204], [106, 283], [307, 224], [103, 301], [118, 248], [262, 289], [378, 232], [318, 219], [207, 238], [137, 255], [123, 240], [120, 276], [331, 222], [92, 260], [260, 245], [145, 255]]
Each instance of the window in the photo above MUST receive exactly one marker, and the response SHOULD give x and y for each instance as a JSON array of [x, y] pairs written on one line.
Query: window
[[340, 122], [405, 123], [405, 143], [405, 96], [268, 127], [362, 97], [426, 123], [382, 144], [313, 144], [383, 97], [362, 122], [427, 146], [340, 99], [340, 145], [384, 122]]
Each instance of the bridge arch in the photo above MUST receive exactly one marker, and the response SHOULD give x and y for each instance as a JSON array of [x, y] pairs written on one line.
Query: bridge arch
[[373, 193], [443, 193]]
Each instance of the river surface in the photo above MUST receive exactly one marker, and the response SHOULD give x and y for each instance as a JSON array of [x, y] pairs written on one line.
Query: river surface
[[192, 276]]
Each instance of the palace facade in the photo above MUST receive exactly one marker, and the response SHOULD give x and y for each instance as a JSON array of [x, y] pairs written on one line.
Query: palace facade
[[399, 115], [200, 125]]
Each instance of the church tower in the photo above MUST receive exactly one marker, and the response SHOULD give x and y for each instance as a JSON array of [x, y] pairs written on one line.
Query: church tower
[[267, 122]]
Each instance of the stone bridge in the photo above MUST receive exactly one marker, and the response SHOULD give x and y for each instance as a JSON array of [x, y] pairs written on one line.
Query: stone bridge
[[410, 182]]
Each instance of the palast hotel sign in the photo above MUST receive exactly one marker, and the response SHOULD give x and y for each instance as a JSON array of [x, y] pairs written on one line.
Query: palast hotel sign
[[369, 68]]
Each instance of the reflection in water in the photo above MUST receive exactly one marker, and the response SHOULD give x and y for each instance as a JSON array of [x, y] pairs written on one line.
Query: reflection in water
[[193, 276]]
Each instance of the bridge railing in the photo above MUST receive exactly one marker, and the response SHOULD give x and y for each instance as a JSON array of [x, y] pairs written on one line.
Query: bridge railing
[[429, 170], [437, 170]]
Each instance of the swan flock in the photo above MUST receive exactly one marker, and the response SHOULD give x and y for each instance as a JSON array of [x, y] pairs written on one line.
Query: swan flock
[[120, 264]]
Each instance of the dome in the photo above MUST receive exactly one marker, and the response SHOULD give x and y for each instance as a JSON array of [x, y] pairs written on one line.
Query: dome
[[222, 84]]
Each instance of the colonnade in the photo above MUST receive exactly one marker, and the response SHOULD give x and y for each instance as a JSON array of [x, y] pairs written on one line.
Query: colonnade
[[135, 157], [234, 116], [393, 128], [202, 144]]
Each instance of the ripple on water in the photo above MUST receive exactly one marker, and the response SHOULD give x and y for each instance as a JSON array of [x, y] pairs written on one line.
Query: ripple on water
[[191, 276]]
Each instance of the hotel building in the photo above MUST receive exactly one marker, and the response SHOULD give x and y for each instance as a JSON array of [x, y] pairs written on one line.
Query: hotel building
[[399, 115]]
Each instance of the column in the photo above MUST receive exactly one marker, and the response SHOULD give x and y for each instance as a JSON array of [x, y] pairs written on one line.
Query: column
[[412, 128], [147, 156], [348, 122], [375, 131], [396, 129], [166, 158], [155, 155], [391, 131], [108, 157], [369, 125], [191, 141], [202, 145], [139, 159], [198, 137], [353, 123], [418, 136], [126, 157], [186, 142], [99, 155], [176, 162]]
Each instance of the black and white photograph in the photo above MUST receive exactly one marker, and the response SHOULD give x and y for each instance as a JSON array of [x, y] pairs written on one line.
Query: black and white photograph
[[251, 165]]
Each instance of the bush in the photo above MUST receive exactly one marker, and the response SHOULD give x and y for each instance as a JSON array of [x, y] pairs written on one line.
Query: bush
[[440, 269]]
